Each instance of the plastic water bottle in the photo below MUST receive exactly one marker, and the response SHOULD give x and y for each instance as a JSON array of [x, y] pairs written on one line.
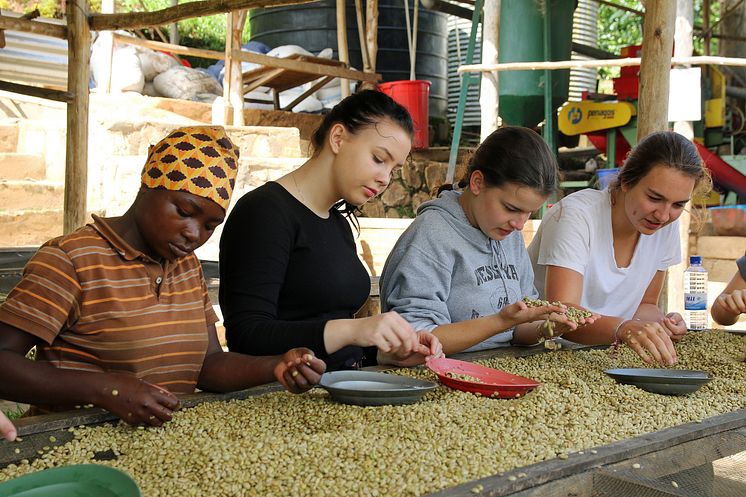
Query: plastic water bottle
[[695, 294]]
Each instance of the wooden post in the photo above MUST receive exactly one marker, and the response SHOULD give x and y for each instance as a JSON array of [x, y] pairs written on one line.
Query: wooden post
[[78, 74], [232, 78], [107, 45], [488, 94], [655, 67], [371, 31], [673, 290], [342, 49], [173, 31], [361, 35], [706, 25]]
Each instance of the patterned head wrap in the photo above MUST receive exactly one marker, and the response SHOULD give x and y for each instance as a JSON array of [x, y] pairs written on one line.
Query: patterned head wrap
[[197, 159]]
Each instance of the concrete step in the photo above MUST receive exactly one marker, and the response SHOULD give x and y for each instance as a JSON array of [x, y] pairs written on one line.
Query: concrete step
[[15, 165], [28, 194], [255, 171], [721, 270], [721, 247], [8, 136], [30, 227], [134, 137]]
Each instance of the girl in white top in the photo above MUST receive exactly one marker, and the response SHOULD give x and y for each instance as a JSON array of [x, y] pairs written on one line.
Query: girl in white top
[[609, 250]]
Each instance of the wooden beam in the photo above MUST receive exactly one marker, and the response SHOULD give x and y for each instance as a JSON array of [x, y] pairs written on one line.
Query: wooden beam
[[167, 47], [78, 75], [655, 74], [132, 20], [700, 60], [36, 27], [371, 31], [342, 49], [309, 67], [35, 91]]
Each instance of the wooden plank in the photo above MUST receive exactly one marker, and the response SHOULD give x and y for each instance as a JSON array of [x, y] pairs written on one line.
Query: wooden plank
[[699, 60], [35, 91], [133, 20], [556, 469], [657, 43], [311, 65], [686, 456], [78, 76], [168, 47], [35, 27]]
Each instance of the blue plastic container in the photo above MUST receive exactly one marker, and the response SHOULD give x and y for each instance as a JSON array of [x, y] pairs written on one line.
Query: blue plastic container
[[606, 176]]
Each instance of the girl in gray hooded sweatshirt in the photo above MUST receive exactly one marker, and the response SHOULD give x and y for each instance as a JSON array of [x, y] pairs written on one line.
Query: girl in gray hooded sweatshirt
[[461, 269]]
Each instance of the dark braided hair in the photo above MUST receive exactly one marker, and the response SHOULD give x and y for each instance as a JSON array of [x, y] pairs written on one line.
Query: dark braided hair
[[358, 111]]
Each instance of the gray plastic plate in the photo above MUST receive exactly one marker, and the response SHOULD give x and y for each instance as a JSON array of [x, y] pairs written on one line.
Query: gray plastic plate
[[367, 388], [663, 381]]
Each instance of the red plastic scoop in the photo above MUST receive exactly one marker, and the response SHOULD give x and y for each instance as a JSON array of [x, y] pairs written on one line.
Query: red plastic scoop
[[491, 382]]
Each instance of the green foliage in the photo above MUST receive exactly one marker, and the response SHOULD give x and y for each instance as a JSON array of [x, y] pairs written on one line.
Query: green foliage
[[200, 32], [15, 413], [617, 29]]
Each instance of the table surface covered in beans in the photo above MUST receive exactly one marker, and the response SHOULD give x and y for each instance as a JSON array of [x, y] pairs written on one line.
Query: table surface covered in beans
[[283, 444]]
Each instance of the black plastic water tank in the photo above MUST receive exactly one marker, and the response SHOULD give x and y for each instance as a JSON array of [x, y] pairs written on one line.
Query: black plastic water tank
[[313, 26]]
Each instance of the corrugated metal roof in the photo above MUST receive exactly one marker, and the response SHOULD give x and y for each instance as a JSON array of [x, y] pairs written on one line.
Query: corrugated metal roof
[[585, 32], [458, 42], [34, 59]]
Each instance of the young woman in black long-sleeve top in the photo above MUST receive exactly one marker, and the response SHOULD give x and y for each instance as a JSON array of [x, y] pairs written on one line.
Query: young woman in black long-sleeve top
[[289, 271]]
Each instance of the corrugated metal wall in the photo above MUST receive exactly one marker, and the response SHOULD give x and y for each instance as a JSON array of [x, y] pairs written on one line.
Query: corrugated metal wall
[[458, 42], [34, 59], [585, 32]]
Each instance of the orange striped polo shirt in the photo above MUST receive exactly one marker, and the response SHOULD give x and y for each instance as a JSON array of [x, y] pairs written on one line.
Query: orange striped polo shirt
[[101, 305]]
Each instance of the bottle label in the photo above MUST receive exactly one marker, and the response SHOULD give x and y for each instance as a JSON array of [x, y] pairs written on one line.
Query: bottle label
[[695, 301]]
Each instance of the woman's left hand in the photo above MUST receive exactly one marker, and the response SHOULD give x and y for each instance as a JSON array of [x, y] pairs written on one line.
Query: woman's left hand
[[298, 370], [675, 326], [429, 347], [7, 430]]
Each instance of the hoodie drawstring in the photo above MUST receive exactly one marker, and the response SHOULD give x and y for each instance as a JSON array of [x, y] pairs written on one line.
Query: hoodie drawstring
[[496, 246]]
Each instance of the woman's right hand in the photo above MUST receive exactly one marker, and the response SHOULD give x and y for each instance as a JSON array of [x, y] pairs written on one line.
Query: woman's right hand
[[519, 313], [389, 332], [734, 302], [649, 340], [135, 401]]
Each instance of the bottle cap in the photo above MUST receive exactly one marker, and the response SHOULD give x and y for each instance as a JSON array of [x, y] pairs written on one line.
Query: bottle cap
[[695, 259]]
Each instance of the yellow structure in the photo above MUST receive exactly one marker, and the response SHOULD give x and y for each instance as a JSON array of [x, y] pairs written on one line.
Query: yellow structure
[[586, 116]]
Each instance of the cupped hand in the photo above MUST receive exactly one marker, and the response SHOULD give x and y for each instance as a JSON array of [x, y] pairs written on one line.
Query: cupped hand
[[675, 326], [518, 313], [134, 400], [649, 340], [298, 370], [733, 302]]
